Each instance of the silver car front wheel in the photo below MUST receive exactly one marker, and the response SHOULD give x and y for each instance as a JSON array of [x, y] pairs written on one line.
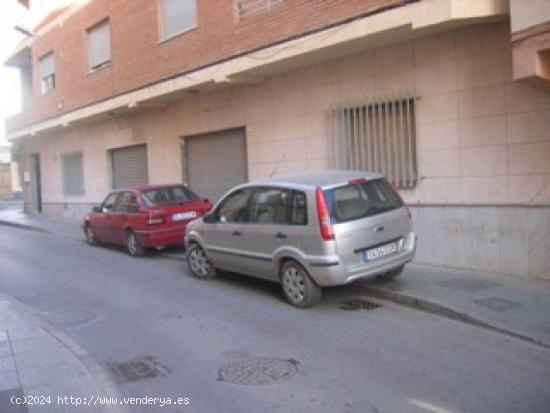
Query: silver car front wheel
[[198, 262]]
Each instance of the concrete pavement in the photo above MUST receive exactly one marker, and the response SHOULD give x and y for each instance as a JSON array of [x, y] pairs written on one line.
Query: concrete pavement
[[11, 213], [508, 304], [42, 370]]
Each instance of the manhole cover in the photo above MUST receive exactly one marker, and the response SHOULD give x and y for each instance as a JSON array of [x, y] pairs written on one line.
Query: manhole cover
[[70, 317], [137, 369], [258, 370], [357, 304]]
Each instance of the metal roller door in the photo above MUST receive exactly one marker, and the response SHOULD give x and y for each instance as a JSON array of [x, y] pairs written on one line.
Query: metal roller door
[[215, 162], [129, 166]]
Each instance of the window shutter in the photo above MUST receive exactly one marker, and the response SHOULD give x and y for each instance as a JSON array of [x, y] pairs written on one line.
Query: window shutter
[[73, 174], [99, 45], [177, 16], [47, 65]]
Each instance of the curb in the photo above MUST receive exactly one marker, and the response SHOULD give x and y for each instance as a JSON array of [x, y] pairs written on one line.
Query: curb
[[440, 309], [103, 379], [22, 226]]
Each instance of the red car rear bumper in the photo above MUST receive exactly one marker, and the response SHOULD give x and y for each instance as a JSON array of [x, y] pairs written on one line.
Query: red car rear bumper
[[160, 237]]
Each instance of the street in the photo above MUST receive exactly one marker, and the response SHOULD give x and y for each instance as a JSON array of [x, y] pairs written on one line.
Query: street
[[233, 345]]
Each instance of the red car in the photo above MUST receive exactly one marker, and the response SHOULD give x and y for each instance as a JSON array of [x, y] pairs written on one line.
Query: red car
[[144, 216]]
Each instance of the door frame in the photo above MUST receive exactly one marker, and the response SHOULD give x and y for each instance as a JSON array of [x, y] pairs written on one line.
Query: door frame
[[36, 182]]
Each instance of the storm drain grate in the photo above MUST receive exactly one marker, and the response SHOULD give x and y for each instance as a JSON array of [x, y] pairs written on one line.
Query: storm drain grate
[[358, 304], [137, 369], [258, 370]]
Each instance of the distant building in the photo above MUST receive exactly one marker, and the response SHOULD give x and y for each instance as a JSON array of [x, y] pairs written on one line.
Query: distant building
[[448, 98], [11, 169], [5, 174]]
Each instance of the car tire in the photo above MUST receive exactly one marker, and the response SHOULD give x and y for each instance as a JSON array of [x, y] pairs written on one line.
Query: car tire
[[133, 246], [199, 264], [298, 287], [90, 235], [390, 275]]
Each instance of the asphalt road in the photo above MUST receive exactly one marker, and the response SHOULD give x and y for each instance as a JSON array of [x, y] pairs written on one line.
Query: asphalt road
[[325, 359]]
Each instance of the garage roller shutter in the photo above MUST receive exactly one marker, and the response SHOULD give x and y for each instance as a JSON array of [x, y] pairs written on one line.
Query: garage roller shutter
[[129, 166], [215, 162]]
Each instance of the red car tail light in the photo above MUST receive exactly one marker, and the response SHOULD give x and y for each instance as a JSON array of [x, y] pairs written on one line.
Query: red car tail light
[[327, 233]]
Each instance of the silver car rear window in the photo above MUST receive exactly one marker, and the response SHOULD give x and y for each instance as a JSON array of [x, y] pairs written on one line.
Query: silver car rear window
[[356, 201]]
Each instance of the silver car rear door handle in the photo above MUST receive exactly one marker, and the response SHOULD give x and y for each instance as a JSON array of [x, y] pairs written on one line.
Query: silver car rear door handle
[[236, 233], [280, 235]]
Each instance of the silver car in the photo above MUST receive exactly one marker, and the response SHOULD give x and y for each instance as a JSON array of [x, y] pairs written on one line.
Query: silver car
[[306, 232]]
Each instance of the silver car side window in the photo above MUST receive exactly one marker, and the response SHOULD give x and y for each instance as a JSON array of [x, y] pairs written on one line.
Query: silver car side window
[[234, 208], [270, 206]]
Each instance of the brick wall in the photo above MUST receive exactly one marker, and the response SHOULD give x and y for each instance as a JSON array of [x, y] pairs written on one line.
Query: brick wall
[[140, 57]]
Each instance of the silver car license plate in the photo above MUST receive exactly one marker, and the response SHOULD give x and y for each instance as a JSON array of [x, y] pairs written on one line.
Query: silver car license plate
[[180, 216], [381, 251]]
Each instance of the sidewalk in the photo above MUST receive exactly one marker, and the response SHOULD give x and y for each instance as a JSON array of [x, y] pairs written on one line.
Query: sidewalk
[[39, 362], [511, 305], [13, 215]]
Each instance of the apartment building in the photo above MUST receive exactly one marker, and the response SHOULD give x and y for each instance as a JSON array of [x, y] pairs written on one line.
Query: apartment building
[[449, 98]]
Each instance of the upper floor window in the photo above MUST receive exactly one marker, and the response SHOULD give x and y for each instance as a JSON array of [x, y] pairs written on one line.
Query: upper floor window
[[99, 45], [47, 72], [177, 16], [244, 8]]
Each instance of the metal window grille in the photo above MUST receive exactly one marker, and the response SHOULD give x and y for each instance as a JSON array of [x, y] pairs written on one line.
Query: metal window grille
[[177, 16], [246, 7], [377, 136], [99, 45], [73, 173], [47, 72]]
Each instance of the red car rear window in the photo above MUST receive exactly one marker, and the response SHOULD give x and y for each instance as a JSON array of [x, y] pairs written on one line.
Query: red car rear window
[[168, 195]]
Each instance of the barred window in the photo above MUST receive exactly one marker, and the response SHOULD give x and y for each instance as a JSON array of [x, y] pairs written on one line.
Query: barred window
[[246, 7], [72, 173], [377, 136]]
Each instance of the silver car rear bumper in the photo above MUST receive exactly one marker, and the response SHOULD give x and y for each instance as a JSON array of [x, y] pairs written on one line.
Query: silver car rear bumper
[[335, 273]]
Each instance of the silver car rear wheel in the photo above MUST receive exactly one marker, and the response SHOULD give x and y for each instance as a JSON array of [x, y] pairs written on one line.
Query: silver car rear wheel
[[298, 287], [198, 262]]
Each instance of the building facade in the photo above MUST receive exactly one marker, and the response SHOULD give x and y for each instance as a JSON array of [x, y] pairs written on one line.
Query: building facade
[[216, 93]]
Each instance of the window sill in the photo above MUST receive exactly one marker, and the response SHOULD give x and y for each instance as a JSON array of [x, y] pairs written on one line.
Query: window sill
[[177, 34], [103, 66]]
